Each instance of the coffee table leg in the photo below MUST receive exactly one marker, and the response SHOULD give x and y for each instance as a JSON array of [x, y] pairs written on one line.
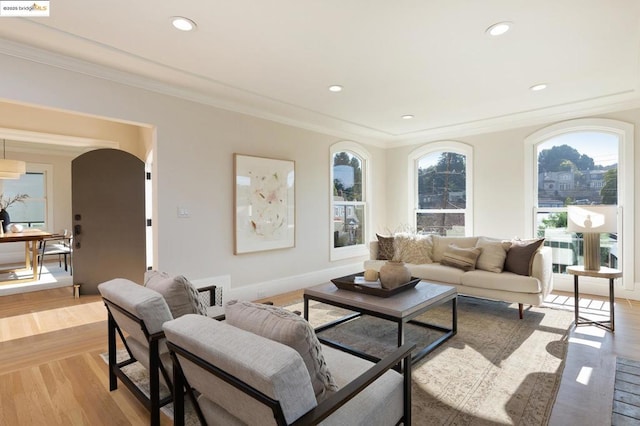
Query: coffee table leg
[[454, 315], [306, 308], [400, 333]]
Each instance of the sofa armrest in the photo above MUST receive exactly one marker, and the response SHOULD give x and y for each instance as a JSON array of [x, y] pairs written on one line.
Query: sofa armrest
[[542, 269], [346, 393], [373, 249]]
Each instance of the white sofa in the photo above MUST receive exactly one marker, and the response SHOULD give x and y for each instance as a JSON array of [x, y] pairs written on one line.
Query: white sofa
[[489, 279]]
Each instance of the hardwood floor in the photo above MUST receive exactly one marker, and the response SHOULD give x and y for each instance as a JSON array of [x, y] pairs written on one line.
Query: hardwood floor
[[51, 372]]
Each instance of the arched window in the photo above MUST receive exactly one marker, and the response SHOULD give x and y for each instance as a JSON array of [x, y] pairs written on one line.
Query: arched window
[[349, 200], [581, 162], [440, 184]]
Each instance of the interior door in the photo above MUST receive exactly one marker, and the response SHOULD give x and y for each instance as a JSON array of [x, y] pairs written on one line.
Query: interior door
[[108, 190]]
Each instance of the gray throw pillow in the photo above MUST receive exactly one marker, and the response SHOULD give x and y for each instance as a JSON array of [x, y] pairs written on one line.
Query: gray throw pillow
[[181, 296], [289, 329]]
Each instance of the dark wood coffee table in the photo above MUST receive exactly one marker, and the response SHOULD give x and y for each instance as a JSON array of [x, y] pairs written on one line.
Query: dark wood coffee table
[[400, 308]]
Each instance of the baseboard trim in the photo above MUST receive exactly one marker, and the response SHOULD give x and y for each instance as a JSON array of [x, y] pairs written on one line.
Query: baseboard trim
[[260, 290]]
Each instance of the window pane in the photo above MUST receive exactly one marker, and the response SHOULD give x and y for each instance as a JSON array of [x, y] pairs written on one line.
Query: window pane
[[578, 168], [568, 248], [347, 177], [30, 212], [445, 224], [442, 181], [347, 224]]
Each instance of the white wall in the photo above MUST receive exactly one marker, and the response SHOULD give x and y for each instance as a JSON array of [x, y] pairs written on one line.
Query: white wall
[[499, 187], [193, 160]]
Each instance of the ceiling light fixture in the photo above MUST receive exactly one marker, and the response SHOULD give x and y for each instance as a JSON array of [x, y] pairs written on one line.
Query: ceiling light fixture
[[335, 88], [10, 169], [407, 117], [183, 24], [538, 87], [499, 28]]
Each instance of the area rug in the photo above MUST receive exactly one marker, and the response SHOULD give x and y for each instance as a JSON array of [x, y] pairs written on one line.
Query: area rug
[[497, 370]]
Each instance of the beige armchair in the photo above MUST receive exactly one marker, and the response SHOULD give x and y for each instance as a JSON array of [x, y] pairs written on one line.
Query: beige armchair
[[243, 378], [136, 314]]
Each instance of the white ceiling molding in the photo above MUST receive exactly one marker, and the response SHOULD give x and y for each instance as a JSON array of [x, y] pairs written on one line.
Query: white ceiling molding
[[38, 142]]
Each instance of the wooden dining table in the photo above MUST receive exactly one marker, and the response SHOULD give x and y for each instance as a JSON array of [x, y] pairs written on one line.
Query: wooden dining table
[[31, 239]]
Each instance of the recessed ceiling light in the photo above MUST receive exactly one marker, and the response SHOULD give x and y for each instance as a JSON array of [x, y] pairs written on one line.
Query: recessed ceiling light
[[183, 24], [538, 87], [499, 28], [407, 117], [335, 88]]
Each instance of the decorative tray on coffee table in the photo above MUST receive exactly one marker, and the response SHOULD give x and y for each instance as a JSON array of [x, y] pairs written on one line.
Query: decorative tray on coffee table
[[370, 287]]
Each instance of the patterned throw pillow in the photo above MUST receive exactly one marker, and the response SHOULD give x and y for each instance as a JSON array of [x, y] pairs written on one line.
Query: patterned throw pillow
[[385, 247], [289, 329], [461, 258], [520, 256], [178, 292], [413, 248]]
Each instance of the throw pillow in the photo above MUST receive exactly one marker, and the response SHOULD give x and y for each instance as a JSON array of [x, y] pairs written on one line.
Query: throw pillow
[[494, 253], [520, 256], [461, 258], [289, 329], [181, 296], [412, 248], [440, 244], [385, 247]]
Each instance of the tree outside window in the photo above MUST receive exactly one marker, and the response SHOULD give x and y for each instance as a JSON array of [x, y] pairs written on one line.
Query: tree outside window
[[587, 163], [442, 195], [348, 200]]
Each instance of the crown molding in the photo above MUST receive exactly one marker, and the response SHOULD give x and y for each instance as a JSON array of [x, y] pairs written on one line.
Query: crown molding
[[251, 104]]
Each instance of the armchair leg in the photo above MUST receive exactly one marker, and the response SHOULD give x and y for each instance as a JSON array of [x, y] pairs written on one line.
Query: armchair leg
[[111, 338], [154, 382]]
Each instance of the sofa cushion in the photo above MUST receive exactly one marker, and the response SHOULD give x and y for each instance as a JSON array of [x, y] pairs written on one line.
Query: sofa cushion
[[180, 294], [412, 248], [289, 329], [461, 258], [385, 247], [437, 272], [440, 244], [494, 253], [520, 256], [505, 281]]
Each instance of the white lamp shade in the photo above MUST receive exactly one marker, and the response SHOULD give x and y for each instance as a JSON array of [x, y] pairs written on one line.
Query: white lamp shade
[[7, 175], [595, 219], [12, 166]]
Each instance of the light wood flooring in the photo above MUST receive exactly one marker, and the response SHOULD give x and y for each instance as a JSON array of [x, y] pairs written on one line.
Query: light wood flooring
[[51, 372]]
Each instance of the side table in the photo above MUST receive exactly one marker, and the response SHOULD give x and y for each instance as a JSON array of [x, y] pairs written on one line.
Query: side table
[[604, 272]]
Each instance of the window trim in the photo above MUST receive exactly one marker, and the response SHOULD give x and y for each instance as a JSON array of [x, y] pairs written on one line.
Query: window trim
[[441, 146], [625, 132], [47, 171], [339, 253]]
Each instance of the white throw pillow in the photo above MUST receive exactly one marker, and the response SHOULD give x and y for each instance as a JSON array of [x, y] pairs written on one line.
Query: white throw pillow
[[178, 292], [494, 253]]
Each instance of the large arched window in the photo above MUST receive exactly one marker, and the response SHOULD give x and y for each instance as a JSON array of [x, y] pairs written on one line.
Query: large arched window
[[440, 184], [349, 200], [582, 162]]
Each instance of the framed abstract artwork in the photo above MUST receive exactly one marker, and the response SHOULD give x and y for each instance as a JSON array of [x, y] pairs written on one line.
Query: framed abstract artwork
[[264, 202]]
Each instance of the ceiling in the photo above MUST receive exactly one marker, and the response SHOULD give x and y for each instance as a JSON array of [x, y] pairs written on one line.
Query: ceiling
[[431, 59]]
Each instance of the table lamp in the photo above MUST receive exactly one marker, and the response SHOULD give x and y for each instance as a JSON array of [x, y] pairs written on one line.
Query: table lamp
[[591, 221]]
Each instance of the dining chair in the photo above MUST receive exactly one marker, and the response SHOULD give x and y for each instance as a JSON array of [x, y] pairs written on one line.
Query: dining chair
[[60, 245]]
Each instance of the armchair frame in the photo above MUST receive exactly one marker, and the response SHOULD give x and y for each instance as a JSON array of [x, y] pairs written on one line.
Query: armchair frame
[[153, 402], [402, 356]]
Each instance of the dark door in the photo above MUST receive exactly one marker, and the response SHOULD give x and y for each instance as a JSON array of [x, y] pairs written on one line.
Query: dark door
[[108, 218]]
